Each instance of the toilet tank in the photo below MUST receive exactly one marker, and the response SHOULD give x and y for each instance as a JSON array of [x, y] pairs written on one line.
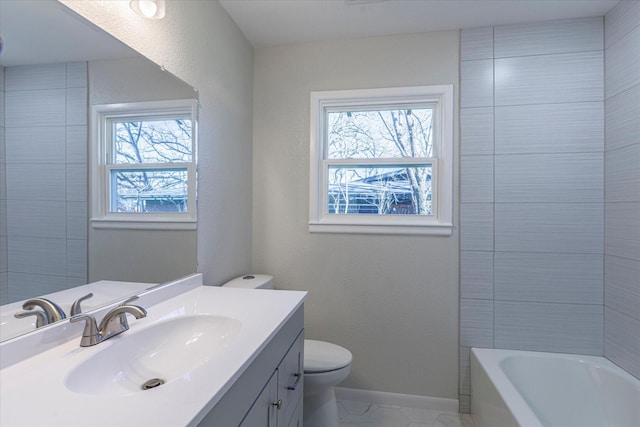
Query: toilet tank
[[251, 281]]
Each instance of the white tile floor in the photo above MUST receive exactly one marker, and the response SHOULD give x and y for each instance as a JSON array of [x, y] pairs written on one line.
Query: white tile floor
[[363, 414]]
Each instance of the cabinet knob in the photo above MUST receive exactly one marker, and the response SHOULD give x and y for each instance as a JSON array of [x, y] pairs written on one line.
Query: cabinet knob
[[278, 404]]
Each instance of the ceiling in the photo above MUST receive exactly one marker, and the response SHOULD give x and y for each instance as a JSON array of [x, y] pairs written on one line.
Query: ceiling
[[46, 32], [277, 22]]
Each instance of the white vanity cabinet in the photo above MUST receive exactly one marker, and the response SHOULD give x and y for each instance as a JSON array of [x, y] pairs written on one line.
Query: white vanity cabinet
[[269, 392]]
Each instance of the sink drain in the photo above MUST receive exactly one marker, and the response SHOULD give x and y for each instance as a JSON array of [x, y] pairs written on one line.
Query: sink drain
[[152, 383]]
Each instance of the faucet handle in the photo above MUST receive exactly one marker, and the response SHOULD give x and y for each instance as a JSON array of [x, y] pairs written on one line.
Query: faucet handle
[[115, 321], [90, 335], [41, 317], [75, 307], [129, 300]]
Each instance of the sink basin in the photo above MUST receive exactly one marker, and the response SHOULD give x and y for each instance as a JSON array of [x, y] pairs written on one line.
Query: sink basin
[[138, 361]]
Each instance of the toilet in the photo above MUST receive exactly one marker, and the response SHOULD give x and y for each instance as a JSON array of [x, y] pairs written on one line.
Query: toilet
[[325, 365]]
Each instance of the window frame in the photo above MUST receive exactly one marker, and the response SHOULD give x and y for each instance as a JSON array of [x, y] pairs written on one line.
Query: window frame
[[102, 165], [440, 223]]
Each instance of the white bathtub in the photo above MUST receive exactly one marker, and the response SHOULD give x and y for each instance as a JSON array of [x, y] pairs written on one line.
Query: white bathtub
[[532, 389]]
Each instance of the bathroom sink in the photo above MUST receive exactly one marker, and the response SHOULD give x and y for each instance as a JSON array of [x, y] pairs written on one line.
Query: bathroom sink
[[154, 356]]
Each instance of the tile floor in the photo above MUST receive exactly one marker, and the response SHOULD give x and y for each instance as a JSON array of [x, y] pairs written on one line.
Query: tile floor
[[363, 414]]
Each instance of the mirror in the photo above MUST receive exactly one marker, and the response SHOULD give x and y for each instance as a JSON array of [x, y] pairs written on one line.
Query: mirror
[[53, 67]]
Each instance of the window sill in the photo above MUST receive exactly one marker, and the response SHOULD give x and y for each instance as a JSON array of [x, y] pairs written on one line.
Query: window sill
[[433, 229], [143, 224]]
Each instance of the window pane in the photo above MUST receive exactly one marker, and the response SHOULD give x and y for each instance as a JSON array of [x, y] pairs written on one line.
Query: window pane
[[152, 190], [380, 190], [152, 141], [376, 134]]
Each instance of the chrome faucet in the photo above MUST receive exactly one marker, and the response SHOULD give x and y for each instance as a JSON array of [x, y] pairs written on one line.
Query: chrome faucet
[[114, 323], [50, 308], [41, 317]]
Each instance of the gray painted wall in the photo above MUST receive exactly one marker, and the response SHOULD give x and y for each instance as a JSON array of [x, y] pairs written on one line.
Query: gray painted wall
[[532, 193], [138, 255], [391, 300], [622, 187], [200, 44]]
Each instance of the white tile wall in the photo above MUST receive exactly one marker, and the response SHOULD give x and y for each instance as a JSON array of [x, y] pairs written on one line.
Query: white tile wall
[[4, 281], [477, 43], [26, 285], [476, 83], [46, 178], [566, 328], [37, 218], [621, 115], [622, 176], [622, 186], [557, 128], [38, 255], [576, 35], [77, 75], [476, 323], [76, 258], [532, 261], [622, 68], [622, 340], [622, 290], [3, 252], [543, 79], [39, 182], [548, 178], [35, 108], [36, 144], [476, 131], [621, 21], [77, 178], [76, 144], [549, 227], [76, 105], [476, 224], [548, 277], [622, 229], [465, 371], [2, 96], [77, 220], [476, 184], [476, 274], [28, 78]]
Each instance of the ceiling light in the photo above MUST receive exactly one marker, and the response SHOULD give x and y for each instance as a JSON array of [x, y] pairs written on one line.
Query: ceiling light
[[151, 9]]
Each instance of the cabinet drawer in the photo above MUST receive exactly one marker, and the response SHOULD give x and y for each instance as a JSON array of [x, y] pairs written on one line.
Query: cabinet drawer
[[291, 379]]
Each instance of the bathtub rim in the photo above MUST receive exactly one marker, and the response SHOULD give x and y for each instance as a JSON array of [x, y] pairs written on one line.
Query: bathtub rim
[[489, 362]]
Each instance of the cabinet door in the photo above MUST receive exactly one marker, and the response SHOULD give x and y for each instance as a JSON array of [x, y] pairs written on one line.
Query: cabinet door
[[296, 417], [290, 381], [263, 411]]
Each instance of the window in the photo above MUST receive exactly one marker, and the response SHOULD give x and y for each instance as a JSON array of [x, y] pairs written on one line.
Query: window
[[382, 161], [144, 165]]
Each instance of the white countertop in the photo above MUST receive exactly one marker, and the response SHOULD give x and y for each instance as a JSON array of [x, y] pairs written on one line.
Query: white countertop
[[33, 391]]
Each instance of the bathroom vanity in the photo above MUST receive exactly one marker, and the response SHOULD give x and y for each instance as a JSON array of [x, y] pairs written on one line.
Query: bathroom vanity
[[208, 356]]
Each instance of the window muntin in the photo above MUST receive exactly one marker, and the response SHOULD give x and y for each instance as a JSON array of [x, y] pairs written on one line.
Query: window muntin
[[381, 161], [404, 189], [141, 149], [145, 165]]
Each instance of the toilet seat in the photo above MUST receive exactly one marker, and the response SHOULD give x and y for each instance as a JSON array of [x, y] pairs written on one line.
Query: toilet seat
[[320, 356]]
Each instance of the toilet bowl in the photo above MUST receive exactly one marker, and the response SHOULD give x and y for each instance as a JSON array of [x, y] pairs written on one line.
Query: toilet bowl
[[325, 365]]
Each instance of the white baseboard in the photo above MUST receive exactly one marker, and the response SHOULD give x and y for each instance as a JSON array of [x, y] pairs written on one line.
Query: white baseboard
[[397, 399]]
